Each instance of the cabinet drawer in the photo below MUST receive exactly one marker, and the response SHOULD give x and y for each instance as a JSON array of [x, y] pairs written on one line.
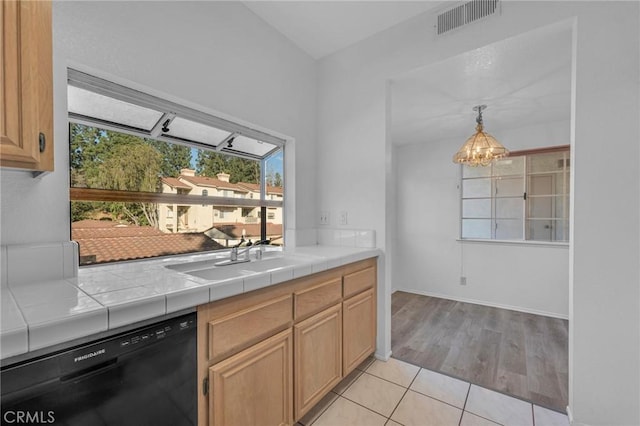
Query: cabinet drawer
[[314, 299], [359, 281], [232, 333]]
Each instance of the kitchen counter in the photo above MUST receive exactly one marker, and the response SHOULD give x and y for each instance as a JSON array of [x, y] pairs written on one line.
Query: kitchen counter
[[39, 314]]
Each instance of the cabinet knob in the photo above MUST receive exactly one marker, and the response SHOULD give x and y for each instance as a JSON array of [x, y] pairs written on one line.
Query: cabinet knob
[[42, 141]]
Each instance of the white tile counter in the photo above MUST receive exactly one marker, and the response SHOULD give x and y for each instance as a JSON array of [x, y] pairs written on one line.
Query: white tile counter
[[13, 328], [44, 312]]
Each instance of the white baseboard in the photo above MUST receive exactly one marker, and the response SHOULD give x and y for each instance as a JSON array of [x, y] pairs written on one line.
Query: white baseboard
[[484, 303], [572, 421], [383, 357]]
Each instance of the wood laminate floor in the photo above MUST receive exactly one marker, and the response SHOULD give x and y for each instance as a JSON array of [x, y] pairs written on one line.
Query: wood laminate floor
[[516, 353]]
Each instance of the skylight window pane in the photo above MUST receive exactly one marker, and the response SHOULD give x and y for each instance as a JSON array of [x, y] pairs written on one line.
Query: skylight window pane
[[252, 146], [94, 105], [196, 132]]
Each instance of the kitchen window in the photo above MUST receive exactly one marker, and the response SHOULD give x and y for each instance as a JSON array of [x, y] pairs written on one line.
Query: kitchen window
[[150, 177], [524, 197]]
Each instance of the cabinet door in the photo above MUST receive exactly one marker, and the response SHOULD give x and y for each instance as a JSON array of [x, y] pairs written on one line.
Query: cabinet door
[[26, 85], [255, 386], [318, 357], [359, 329]]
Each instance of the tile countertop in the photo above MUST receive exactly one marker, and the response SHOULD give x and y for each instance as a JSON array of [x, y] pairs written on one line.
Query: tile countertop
[[45, 313]]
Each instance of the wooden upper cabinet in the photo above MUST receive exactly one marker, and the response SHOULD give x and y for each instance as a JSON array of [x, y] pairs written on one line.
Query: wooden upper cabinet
[[26, 85]]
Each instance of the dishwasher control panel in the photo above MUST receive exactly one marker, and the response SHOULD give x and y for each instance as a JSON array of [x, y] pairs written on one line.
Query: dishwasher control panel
[[152, 334], [118, 345]]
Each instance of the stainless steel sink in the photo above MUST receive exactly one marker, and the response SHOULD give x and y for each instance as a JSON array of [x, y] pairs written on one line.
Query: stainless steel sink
[[215, 270], [218, 274], [268, 264]]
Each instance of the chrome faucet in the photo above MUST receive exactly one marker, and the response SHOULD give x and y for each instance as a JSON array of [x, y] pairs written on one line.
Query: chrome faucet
[[235, 251]]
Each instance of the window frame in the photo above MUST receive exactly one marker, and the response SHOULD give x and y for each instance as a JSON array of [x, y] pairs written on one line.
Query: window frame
[[171, 110], [525, 197]]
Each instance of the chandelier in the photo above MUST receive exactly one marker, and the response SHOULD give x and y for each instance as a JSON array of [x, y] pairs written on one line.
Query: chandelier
[[481, 148]]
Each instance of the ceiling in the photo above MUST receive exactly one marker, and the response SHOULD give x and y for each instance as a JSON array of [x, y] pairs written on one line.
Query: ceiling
[[523, 80], [323, 27]]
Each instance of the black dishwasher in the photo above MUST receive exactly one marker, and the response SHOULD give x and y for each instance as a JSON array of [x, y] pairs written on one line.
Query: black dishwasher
[[142, 377]]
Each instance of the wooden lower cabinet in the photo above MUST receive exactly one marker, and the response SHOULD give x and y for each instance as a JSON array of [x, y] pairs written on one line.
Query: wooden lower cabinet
[[318, 358], [255, 386], [359, 329], [268, 356]]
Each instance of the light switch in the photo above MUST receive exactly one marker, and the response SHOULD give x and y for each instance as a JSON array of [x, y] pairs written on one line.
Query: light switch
[[324, 218], [343, 218]]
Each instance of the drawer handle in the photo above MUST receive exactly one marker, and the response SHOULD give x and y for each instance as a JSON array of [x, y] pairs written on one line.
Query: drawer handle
[[42, 142]]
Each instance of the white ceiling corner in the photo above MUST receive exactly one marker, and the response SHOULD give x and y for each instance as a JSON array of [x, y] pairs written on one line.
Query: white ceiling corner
[[324, 27]]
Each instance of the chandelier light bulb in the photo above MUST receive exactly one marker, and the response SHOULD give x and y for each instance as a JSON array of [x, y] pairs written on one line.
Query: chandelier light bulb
[[481, 148]]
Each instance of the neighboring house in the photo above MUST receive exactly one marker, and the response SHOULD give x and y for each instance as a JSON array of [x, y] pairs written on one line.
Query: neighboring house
[[106, 241], [182, 228], [230, 234], [199, 218]]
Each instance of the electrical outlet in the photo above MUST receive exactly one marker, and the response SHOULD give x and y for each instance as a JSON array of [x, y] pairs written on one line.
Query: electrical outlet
[[343, 218], [463, 280], [324, 218]]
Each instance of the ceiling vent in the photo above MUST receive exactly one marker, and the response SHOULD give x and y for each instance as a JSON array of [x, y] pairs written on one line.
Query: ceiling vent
[[466, 13]]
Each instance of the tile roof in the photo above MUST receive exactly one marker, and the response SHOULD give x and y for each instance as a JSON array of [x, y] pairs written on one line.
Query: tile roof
[[256, 188], [217, 183], [252, 230], [110, 242], [175, 183], [212, 182]]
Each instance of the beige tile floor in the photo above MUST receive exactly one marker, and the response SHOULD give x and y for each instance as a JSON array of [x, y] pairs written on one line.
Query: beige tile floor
[[397, 393]]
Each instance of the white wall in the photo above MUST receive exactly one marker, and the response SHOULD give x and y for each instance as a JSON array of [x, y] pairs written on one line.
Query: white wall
[[430, 260], [217, 55], [604, 275]]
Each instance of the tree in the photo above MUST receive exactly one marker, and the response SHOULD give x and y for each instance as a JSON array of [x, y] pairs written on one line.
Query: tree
[[110, 160], [243, 170], [85, 150], [81, 210], [274, 178], [174, 157], [132, 167], [277, 180], [210, 163]]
